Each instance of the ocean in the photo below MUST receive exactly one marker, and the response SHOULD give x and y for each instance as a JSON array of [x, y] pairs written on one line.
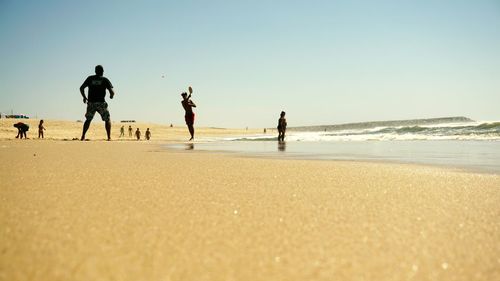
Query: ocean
[[453, 141]]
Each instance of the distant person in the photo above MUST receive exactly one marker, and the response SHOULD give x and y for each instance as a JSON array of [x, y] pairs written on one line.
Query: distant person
[[138, 134], [281, 126], [97, 85], [148, 134], [188, 105], [21, 129], [129, 131], [122, 131], [41, 128], [265, 130]]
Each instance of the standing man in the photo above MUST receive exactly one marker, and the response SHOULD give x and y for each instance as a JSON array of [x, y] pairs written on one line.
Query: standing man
[[188, 105], [97, 85]]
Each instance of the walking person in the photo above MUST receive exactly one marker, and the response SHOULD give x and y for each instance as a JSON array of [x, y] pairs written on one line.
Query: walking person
[[129, 131], [122, 131], [147, 134], [188, 105], [97, 85], [138, 134], [281, 126]]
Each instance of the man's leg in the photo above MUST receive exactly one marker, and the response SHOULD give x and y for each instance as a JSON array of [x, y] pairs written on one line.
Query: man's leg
[[108, 129], [86, 126], [191, 131]]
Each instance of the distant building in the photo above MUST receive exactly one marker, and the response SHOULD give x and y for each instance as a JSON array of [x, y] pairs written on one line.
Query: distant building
[[17, 116]]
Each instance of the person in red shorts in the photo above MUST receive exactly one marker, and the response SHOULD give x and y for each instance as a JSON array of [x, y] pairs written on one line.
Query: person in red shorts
[[188, 105]]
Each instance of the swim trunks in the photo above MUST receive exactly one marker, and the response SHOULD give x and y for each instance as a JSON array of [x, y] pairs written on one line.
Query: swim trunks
[[101, 107], [189, 119]]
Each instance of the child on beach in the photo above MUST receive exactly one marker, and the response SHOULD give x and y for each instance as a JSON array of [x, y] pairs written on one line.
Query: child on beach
[[40, 129], [148, 134], [281, 126], [138, 134], [21, 129]]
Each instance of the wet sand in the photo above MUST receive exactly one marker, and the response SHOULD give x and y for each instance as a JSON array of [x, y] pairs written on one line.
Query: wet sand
[[133, 211]]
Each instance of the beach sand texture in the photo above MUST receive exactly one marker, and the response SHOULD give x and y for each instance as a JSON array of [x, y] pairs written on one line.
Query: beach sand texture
[[101, 210]]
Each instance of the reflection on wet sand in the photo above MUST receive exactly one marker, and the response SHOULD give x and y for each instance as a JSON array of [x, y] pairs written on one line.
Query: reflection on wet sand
[[282, 146]]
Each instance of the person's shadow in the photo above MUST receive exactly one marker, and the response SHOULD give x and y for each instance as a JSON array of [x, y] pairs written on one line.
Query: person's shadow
[[281, 146], [189, 146]]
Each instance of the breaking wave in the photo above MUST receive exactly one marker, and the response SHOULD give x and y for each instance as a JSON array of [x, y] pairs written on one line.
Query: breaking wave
[[468, 130]]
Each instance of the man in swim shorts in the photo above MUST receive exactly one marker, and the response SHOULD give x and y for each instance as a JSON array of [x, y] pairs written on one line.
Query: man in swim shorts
[[97, 85]]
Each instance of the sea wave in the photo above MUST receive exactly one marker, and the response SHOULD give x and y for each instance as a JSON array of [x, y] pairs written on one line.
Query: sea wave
[[464, 131]]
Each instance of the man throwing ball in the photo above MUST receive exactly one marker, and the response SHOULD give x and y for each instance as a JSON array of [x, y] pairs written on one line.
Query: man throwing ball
[[188, 105], [97, 85]]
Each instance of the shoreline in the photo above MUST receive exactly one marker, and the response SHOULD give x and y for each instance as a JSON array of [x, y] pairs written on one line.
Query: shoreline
[[176, 145], [240, 149]]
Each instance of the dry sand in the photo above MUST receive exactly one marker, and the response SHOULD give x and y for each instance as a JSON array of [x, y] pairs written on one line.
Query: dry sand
[[68, 130], [101, 210]]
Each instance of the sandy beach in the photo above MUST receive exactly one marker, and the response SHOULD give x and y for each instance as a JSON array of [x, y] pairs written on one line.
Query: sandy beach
[[69, 130], [121, 210]]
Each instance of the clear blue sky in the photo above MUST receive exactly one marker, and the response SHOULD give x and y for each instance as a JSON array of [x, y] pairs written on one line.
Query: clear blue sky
[[323, 62]]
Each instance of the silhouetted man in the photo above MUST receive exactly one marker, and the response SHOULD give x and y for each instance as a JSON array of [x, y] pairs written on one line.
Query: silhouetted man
[[188, 105], [97, 85]]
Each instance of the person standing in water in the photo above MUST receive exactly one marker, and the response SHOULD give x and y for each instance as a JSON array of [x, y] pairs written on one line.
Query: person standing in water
[[188, 105], [281, 126], [97, 85]]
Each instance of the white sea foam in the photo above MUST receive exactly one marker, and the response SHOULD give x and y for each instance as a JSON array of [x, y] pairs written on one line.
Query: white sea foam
[[478, 130]]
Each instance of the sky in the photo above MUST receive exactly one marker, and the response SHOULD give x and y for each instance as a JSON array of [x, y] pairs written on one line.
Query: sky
[[323, 62]]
